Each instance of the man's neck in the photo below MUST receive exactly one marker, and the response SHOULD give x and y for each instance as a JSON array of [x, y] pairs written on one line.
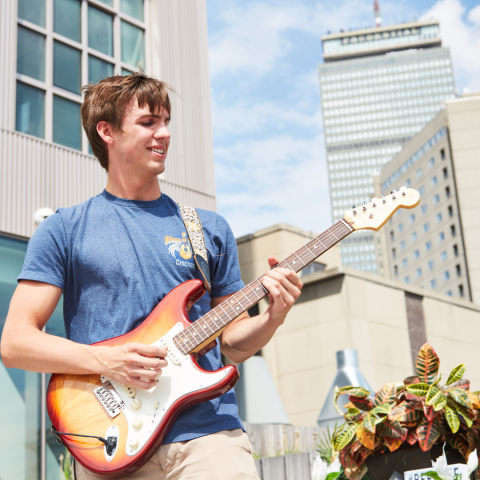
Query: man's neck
[[145, 191]]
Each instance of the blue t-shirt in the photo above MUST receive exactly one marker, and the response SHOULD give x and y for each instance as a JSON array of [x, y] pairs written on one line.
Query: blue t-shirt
[[115, 259]]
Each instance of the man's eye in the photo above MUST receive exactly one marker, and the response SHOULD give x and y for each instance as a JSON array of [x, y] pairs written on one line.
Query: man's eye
[[146, 123]]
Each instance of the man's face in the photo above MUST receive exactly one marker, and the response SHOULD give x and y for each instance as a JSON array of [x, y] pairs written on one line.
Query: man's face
[[144, 140]]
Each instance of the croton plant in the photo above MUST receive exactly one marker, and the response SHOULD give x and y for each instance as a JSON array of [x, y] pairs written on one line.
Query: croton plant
[[419, 412]]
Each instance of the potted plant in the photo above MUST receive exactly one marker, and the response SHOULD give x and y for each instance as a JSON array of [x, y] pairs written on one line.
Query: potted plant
[[409, 419]]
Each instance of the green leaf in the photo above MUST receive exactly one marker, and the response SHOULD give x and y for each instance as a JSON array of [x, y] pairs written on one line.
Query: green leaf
[[428, 433], [336, 393], [366, 438], [465, 414], [333, 475], [452, 419], [427, 364], [418, 389], [434, 396], [456, 374], [405, 412], [357, 391], [361, 403], [369, 422], [432, 474], [463, 384], [440, 405], [384, 408], [386, 394], [392, 428], [461, 397], [344, 437]]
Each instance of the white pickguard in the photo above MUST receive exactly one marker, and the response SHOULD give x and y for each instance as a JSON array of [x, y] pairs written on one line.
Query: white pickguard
[[177, 379]]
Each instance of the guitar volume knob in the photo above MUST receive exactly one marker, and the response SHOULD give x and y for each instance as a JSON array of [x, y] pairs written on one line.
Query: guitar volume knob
[[137, 424], [136, 404], [134, 443], [130, 391]]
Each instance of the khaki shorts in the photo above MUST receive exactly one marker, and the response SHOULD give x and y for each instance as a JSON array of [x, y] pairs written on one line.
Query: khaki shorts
[[225, 455]]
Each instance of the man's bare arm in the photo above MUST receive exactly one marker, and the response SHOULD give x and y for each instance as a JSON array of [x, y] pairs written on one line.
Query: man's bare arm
[[247, 335], [25, 346]]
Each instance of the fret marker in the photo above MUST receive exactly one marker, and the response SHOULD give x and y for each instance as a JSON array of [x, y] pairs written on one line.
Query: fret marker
[[237, 308], [194, 333], [315, 246], [216, 318], [257, 288], [293, 261]]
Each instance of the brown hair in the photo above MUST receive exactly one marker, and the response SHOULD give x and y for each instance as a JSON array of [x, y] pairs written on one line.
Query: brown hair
[[106, 101]]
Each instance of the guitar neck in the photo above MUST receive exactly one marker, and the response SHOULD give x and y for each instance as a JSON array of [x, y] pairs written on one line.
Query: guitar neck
[[216, 319]]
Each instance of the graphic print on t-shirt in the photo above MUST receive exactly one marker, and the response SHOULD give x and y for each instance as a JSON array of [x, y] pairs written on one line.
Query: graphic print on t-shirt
[[181, 250]]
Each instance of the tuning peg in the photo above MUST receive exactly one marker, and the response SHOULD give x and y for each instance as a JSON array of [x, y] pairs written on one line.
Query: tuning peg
[[354, 206], [393, 191], [363, 202], [403, 190], [374, 201]]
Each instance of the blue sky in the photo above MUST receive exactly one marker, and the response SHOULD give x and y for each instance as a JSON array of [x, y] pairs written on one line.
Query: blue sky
[[268, 135]]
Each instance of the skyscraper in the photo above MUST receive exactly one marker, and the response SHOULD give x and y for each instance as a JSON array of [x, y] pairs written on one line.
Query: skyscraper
[[378, 88]]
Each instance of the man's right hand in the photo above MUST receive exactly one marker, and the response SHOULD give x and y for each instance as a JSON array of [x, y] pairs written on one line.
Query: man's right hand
[[134, 364]]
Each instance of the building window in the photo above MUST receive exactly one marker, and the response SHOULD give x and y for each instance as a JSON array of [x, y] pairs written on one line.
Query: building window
[[431, 162], [428, 245], [431, 265], [421, 190], [445, 173], [407, 183], [436, 199], [447, 192], [438, 217], [433, 283], [392, 235], [461, 292], [449, 293], [400, 227], [426, 227], [453, 230], [81, 45], [458, 270], [412, 218], [433, 180], [403, 244], [424, 208], [446, 275], [455, 250], [441, 237], [395, 270], [407, 279], [416, 254], [418, 272], [414, 236], [442, 154], [450, 211], [405, 262], [394, 253], [419, 173], [443, 256]]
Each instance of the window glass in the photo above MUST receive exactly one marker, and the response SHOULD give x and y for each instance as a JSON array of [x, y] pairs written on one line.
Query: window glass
[[67, 129], [431, 265], [133, 44], [424, 208], [66, 17], [418, 272], [106, 2], [30, 110], [100, 31], [416, 254], [20, 412], [433, 283], [126, 72], [31, 53], [428, 245], [134, 8], [32, 11], [67, 70], [98, 69]]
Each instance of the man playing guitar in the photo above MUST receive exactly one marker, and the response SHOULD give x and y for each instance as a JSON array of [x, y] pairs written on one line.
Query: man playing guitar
[[114, 258]]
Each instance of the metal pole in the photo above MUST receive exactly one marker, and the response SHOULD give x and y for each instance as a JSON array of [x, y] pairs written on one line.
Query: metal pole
[[43, 425]]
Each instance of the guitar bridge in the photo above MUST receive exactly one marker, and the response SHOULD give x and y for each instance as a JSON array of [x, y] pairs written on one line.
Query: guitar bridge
[[109, 398]]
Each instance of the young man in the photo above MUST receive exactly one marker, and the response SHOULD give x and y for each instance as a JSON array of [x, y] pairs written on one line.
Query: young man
[[114, 258]]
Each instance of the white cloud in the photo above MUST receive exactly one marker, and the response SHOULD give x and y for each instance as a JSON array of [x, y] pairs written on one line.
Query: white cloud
[[462, 35]]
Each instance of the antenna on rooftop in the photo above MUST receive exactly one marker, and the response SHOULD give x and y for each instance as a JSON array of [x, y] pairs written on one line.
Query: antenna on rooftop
[[376, 10]]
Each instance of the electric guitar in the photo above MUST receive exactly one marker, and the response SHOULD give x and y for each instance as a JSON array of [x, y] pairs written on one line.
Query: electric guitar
[[113, 429]]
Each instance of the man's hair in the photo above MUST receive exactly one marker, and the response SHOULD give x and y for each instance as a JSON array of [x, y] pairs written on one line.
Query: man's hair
[[106, 101]]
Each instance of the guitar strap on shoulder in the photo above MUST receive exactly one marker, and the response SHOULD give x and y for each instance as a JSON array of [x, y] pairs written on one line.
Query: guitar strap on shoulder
[[197, 241]]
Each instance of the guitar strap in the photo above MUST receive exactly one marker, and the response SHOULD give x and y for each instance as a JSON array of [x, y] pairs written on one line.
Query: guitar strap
[[197, 241]]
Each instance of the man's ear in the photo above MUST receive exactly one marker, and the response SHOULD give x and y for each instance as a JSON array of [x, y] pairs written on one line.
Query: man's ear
[[105, 130]]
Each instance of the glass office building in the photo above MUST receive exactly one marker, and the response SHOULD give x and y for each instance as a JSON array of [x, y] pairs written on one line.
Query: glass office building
[[379, 87]]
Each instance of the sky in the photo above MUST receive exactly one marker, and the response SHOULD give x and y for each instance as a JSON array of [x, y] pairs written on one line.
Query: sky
[[270, 160]]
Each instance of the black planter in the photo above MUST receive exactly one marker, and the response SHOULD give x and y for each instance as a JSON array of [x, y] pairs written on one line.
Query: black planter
[[381, 467]]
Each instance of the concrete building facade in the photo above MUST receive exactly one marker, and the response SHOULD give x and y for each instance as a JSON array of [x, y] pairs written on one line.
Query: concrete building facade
[[385, 320], [436, 246], [378, 88], [48, 50]]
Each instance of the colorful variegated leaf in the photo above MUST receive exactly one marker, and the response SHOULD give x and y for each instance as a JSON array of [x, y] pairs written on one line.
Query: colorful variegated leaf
[[461, 397], [459, 443], [412, 437], [456, 374], [383, 409], [392, 443], [352, 413], [464, 384], [392, 428], [357, 391], [418, 389], [369, 422], [349, 405], [429, 412], [427, 364], [357, 472], [410, 380], [386, 394], [361, 403], [343, 438], [452, 419], [366, 438], [440, 405], [428, 433], [404, 412], [474, 399], [465, 415], [434, 395]]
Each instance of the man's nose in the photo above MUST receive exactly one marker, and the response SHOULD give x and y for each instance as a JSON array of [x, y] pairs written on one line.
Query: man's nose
[[162, 132]]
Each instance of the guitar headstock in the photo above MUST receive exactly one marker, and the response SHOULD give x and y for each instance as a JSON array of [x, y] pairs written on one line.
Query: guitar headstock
[[373, 215]]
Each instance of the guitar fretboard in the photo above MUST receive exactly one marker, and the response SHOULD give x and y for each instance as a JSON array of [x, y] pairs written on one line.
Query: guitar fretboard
[[216, 319]]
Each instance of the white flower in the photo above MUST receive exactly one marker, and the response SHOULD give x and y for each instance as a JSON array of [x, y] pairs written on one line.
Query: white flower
[[441, 467], [472, 462], [321, 469]]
